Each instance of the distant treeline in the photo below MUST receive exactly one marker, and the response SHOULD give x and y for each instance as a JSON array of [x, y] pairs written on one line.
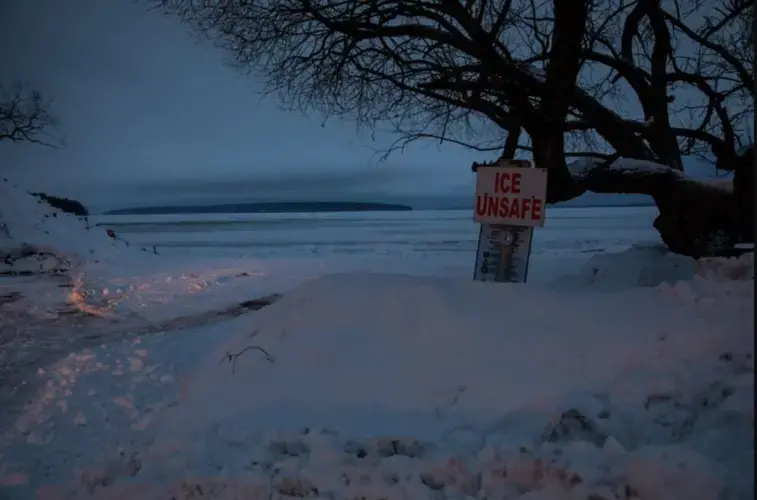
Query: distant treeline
[[64, 204], [266, 207]]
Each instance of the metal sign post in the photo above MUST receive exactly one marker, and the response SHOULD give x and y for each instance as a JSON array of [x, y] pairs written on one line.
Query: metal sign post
[[508, 209]]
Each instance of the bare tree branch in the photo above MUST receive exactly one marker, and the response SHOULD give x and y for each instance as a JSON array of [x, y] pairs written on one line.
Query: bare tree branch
[[639, 79], [447, 69], [25, 116], [232, 357]]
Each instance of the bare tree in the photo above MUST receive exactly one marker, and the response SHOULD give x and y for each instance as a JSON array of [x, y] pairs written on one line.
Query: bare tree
[[646, 79], [25, 116]]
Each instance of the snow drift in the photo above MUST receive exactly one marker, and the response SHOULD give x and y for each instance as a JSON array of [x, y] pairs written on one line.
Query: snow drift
[[379, 386], [29, 220], [399, 344]]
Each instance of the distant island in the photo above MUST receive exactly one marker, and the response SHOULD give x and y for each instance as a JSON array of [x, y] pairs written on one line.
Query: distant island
[[266, 207]]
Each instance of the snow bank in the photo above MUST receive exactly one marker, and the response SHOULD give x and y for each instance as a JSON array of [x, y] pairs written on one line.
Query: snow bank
[[639, 266], [377, 386], [719, 269], [409, 345], [39, 242], [652, 265], [31, 221]]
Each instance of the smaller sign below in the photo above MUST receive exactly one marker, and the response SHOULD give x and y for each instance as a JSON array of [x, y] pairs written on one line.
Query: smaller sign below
[[511, 195], [503, 253]]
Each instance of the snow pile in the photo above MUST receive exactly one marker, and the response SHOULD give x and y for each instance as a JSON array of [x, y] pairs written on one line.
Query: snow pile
[[374, 386], [45, 252], [652, 265], [639, 266], [740, 268], [30, 221]]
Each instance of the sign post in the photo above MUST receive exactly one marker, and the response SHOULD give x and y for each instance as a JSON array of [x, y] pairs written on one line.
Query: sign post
[[511, 199]]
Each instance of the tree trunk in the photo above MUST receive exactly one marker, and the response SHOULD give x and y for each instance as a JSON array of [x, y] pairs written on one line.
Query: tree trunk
[[548, 137], [560, 183], [695, 218], [743, 193]]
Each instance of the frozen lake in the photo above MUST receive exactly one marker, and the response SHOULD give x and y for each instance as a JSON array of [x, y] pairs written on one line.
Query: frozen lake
[[432, 239]]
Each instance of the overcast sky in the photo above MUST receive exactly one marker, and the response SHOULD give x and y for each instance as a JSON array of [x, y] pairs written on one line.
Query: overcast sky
[[146, 110]]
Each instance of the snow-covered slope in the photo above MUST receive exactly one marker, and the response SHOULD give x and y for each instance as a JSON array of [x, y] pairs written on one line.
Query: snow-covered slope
[[28, 220]]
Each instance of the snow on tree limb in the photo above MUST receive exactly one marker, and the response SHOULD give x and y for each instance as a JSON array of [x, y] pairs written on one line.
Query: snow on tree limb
[[642, 176]]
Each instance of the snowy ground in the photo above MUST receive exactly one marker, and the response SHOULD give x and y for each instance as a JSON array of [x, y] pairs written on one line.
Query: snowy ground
[[629, 376]]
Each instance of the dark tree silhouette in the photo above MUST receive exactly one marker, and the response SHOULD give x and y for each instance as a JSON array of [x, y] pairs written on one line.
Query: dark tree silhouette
[[597, 80], [63, 204], [25, 116]]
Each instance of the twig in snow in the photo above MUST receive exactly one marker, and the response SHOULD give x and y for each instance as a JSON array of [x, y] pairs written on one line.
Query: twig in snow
[[232, 357]]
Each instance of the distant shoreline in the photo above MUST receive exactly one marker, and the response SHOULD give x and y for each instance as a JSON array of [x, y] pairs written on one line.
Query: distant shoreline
[[265, 207], [283, 208]]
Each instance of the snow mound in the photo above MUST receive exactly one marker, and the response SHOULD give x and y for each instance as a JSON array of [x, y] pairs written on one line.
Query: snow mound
[[639, 266], [52, 263], [720, 269], [439, 338], [652, 265], [378, 386], [28, 220]]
